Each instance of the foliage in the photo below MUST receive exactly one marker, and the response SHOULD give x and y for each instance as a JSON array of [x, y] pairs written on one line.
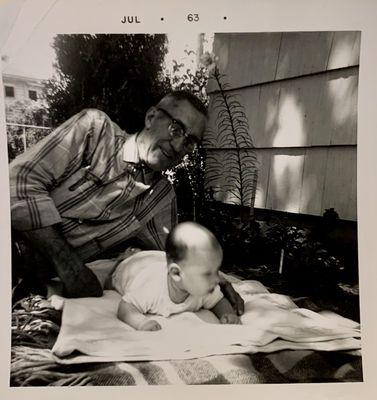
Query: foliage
[[308, 264], [252, 250], [193, 81], [232, 132], [239, 170], [119, 74], [190, 172], [239, 236], [25, 112]]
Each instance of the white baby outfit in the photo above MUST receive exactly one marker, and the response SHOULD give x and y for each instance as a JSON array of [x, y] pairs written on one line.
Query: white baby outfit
[[142, 280]]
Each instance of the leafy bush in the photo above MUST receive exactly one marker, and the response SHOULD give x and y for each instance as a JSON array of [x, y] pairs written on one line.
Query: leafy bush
[[25, 112], [308, 265], [239, 236]]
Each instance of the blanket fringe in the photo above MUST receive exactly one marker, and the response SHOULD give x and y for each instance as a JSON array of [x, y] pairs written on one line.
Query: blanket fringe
[[36, 367], [35, 323]]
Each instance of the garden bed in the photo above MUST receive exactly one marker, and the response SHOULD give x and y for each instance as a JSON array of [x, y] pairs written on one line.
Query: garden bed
[[312, 259]]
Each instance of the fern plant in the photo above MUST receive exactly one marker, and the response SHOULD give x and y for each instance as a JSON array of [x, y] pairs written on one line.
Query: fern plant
[[237, 172]]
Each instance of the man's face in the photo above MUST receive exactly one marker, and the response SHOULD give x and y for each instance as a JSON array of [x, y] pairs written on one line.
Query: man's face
[[171, 130], [200, 271]]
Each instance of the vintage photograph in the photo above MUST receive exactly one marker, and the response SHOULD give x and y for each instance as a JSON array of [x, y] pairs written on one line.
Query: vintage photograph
[[184, 208]]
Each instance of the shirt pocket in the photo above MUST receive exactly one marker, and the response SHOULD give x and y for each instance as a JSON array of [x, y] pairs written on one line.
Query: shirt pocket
[[74, 197], [86, 175]]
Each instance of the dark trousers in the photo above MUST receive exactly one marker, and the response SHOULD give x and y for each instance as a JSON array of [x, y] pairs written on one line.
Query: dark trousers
[[30, 269]]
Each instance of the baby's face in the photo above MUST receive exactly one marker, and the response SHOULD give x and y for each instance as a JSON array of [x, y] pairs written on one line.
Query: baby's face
[[200, 271]]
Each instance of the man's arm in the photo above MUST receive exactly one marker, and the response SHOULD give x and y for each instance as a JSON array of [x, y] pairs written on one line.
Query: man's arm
[[35, 173], [225, 313], [129, 314], [34, 215], [78, 280], [232, 296]]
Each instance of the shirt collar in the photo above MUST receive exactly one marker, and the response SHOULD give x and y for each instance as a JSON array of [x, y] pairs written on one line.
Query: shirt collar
[[130, 150], [131, 156]]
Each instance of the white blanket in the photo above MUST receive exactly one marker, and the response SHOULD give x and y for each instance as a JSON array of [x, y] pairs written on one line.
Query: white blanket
[[91, 332]]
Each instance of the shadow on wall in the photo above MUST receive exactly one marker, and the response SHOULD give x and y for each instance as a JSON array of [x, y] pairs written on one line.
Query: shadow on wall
[[288, 117], [320, 112]]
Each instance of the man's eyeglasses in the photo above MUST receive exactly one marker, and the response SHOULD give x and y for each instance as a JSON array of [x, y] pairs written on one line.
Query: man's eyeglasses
[[178, 130]]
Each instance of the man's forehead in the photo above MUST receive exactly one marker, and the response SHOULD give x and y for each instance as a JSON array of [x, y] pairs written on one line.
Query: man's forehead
[[185, 112]]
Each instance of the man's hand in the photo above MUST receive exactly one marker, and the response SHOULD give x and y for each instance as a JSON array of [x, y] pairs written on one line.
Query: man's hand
[[78, 279], [232, 296], [149, 325], [230, 319], [130, 251]]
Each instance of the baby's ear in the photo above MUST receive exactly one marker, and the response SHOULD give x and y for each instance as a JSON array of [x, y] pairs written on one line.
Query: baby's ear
[[174, 271]]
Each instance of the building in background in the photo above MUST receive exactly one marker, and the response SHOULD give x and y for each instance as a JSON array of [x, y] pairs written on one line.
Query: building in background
[[26, 111], [19, 86]]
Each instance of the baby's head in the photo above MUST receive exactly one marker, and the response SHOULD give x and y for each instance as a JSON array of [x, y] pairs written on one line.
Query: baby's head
[[194, 257]]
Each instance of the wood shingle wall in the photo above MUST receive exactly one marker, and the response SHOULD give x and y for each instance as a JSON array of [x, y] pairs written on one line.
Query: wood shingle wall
[[299, 90]]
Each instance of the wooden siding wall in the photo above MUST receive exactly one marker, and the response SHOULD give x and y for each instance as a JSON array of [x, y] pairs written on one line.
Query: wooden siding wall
[[21, 88], [299, 90]]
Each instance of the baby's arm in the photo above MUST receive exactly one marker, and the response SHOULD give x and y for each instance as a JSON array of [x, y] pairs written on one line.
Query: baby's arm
[[129, 314], [225, 312]]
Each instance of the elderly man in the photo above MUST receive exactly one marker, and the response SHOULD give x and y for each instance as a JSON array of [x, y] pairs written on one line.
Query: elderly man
[[89, 187]]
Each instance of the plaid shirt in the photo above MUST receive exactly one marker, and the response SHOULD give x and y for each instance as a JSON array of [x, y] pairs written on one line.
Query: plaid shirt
[[85, 177]]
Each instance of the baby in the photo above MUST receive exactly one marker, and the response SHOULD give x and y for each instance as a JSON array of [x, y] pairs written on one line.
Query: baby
[[185, 278]]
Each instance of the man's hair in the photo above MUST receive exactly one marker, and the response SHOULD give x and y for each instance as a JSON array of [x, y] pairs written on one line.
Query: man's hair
[[178, 244], [191, 98]]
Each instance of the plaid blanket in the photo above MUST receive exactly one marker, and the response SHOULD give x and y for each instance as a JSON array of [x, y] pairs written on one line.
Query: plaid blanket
[[34, 367], [35, 327]]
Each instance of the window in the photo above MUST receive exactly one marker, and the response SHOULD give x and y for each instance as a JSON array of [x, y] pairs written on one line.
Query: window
[[9, 91], [32, 95]]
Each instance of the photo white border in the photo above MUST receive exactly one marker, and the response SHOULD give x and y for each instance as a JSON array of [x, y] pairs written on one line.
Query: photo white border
[[96, 16]]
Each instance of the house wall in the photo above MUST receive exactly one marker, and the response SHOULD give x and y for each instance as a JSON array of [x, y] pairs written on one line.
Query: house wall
[[299, 92], [21, 85]]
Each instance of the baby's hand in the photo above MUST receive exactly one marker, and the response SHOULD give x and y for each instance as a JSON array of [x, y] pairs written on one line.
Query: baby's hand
[[150, 325], [230, 319]]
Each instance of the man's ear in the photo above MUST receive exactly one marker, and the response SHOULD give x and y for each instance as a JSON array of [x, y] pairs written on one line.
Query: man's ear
[[175, 271], [149, 116]]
